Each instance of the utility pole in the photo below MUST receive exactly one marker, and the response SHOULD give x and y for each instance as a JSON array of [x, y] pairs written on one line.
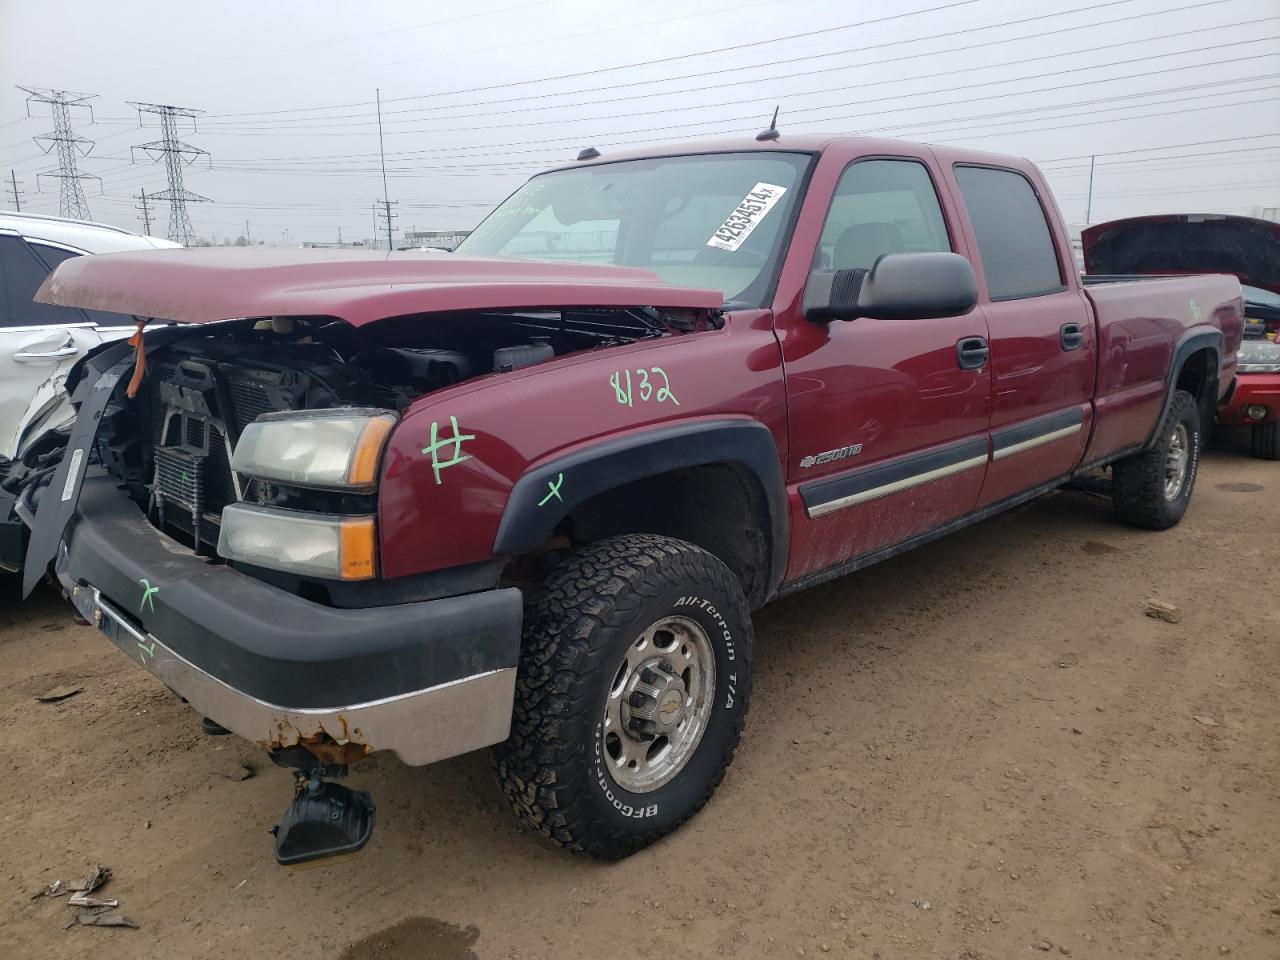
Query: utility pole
[[1088, 209], [15, 196], [247, 235], [146, 212], [386, 201], [71, 201], [175, 153]]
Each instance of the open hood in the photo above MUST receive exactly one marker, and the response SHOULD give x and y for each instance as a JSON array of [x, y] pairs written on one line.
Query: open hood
[[1243, 247], [202, 285]]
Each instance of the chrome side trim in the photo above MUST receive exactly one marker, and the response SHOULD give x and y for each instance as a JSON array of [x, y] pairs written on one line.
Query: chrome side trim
[[419, 727], [875, 493], [1034, 442]]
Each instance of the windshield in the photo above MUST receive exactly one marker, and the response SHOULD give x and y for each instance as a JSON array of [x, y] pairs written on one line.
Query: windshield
[[715, 221], [1263, 298]]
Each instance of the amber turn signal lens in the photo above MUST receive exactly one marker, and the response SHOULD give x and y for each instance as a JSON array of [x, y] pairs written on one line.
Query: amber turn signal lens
[[364, 459], [356, 558]]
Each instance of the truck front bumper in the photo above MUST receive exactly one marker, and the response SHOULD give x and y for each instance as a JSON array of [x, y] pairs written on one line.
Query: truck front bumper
[[426, 680]]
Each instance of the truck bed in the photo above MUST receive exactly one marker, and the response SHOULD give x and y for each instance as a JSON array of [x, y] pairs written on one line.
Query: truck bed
[[1142, 321]]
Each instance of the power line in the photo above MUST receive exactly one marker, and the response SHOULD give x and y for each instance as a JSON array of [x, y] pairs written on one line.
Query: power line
[[507, 145], [175, 154], [963, 48], [646, 63], [71, 201]]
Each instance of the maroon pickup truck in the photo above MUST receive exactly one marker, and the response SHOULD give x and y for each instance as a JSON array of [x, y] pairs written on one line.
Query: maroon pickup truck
[[528, 495]]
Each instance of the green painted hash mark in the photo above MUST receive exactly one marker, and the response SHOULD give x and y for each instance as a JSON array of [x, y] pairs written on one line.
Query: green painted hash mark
[[144, 651], [148, 591], [554, 490], [438, 443]]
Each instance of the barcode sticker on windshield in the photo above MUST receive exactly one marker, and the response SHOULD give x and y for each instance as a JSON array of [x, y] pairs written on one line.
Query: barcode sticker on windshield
[[731, 234]]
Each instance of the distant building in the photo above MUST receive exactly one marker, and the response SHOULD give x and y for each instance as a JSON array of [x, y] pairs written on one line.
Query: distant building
[[445, 239], [1266, 213]]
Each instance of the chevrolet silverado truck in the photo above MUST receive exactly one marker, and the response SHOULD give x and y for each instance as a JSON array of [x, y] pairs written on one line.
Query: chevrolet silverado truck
[[528, 495], [1245, 247]]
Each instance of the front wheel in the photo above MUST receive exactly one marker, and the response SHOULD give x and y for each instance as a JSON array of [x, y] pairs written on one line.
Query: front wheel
[[631, 694], [1152, 488], [1265, 441]]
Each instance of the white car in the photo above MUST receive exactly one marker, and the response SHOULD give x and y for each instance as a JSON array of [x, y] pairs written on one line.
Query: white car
[[39, 343]]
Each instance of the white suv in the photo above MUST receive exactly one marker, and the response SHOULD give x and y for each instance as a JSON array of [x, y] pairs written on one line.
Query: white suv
[[39, 343]]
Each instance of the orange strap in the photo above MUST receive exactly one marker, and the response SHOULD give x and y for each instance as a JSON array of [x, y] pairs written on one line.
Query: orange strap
[[140, 361]]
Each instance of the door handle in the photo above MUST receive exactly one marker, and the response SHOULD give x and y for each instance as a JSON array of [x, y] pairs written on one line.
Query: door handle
[[972, 353], [1071, 336], [28, 356]]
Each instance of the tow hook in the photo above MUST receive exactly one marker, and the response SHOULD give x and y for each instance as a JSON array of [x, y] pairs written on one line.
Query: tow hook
[[325, 818]]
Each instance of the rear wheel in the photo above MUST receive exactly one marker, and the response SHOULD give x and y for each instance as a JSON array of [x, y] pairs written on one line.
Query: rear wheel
[[1152, 488], [1265, 441], [631, 694]]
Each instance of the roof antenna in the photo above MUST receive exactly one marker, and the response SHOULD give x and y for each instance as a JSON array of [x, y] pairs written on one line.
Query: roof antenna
[[772, 133], [590, 153]]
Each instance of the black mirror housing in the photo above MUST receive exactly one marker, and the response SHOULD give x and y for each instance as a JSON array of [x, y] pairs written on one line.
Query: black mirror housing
[[899, 286]]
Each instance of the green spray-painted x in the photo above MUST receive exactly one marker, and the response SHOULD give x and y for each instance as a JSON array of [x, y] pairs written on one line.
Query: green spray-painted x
[[148, 591], [554, 488]]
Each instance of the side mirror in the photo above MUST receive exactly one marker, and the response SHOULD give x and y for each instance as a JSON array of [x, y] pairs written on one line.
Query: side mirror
[[899, 286]]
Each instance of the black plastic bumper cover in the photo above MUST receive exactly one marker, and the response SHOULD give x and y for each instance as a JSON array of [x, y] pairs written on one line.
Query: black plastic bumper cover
[[271, 644]]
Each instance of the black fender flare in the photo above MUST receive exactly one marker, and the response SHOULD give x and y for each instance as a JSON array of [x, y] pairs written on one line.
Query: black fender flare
[[1190, 342], [532, 511]]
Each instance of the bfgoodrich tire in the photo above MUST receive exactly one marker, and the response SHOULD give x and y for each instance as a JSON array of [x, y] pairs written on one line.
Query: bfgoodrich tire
[[1151, 489], [1265, 441], [631, 694]]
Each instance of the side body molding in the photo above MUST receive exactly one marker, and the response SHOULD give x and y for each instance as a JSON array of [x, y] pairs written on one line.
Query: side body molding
[[533, 511]]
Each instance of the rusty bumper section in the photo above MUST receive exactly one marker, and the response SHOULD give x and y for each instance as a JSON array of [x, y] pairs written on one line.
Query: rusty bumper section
[[420, 727]]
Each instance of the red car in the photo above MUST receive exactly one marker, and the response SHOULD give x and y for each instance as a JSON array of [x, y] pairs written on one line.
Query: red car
[[349, 503], [1195, 243]]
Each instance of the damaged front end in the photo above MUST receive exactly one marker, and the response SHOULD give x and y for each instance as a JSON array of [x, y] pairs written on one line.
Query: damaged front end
[[215, 509]]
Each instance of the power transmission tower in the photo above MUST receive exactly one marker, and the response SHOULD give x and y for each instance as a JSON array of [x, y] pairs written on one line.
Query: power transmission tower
[[15, 197], [71, 201], [175, 154], [146, 212]]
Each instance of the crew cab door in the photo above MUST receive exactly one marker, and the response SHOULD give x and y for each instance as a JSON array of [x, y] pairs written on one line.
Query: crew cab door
[[39, 343], [887, 418], [1043, 341]]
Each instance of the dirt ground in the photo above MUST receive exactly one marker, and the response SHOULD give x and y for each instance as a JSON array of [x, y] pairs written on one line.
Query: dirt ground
[[984, 749]]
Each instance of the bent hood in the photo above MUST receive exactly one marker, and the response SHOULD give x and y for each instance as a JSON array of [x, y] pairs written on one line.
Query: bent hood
[[202, 285], [1246, 248]]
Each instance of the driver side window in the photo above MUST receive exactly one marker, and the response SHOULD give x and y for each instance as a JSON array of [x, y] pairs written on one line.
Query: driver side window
[[881, 207]]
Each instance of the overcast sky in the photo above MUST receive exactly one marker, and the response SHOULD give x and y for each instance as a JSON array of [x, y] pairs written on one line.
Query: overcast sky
[[1178, 99]]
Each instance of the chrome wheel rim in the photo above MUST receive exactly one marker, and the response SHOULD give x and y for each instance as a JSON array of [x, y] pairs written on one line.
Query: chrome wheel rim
[[1175, 464], [658, 705]]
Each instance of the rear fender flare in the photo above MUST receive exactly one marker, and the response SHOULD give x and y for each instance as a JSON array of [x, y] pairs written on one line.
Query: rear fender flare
[[533, 511], [1191, 342]]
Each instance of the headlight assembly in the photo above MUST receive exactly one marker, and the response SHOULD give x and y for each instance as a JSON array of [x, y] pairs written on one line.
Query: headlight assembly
[[311, 544], [330, 449], [1259, 356]]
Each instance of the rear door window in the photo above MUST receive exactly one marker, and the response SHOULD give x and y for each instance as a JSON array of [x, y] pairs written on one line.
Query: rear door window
[[23, 272], [52, 256], [1018, 256]]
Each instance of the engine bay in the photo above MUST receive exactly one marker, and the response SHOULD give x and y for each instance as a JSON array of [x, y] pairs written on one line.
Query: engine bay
[[172, 445]]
